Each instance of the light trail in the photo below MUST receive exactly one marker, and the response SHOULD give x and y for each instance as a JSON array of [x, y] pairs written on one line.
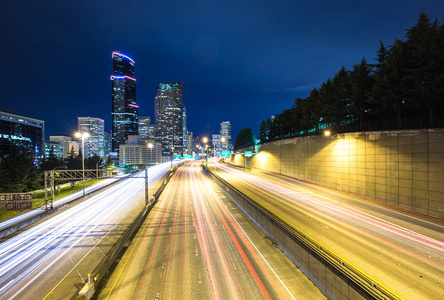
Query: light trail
[[42, 254], [192, 246], [352, 227]]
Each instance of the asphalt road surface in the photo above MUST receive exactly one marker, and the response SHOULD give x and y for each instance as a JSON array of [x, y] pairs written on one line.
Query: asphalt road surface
[[197, 244], [53, 258], [401, 250]]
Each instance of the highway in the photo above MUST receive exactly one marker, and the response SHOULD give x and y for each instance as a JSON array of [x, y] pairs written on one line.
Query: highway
[[197, 244], [401, 250], [53, 258], [59, 202]]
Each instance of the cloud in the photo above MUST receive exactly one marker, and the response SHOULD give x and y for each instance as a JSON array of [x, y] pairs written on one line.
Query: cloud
[[299, 88]]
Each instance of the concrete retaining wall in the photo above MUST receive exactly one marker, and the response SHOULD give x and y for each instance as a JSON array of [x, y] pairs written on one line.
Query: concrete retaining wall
[[402, 168]]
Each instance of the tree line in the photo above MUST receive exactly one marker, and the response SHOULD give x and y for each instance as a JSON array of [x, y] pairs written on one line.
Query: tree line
[[404, 89], [19, 174]]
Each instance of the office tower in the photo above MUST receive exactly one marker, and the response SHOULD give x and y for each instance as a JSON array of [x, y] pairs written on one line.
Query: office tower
[[96, 140], [216, 139], [190, 142], [124, 111], [106, 144], [168, 116], [225, 135], [63, 140], [185, 144], [146, 129], [55, 148], [139, 153], [22, 134]]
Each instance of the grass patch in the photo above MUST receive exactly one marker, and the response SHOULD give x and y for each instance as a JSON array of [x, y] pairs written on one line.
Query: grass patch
[[7, 213], [38, 199]]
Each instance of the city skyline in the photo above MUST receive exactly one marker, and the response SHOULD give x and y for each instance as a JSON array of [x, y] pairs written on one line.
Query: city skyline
[[244, 62]]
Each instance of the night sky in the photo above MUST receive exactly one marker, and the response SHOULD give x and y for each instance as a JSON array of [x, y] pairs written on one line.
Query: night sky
[[240, 61]]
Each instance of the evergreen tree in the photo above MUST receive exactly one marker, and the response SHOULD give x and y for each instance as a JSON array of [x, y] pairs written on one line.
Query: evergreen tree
[[423, 48], [361, 82], [18, 174], [51, 162], [263, 131], [244, 139], [74, 161]]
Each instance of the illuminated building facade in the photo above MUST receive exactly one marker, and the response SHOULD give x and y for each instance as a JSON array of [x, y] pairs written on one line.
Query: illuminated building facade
[[185, 143], [22, 134], [63, 140], [124, 110], [225, 135], [168, 114], [146, 129], [96, 140]]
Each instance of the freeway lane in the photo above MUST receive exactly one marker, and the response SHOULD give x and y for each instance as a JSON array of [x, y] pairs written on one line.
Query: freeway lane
[[197, 244], [54, 257], [402, 251], [30, 214]]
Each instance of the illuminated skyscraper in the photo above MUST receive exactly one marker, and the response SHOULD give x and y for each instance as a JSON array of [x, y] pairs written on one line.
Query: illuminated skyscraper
[[225, 135], [124, 111], [146, 129], [184, 120], [96, 140], [168, 116]]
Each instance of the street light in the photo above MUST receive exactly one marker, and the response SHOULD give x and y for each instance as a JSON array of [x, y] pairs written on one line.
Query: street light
[[83, 135], [205, 140]]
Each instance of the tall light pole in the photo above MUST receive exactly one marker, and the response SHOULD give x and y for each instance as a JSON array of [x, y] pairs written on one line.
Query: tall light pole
[[147, 184], [205, 141], [83, 135]]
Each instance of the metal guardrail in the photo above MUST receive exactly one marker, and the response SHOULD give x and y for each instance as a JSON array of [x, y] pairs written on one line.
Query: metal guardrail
[[368, 285]]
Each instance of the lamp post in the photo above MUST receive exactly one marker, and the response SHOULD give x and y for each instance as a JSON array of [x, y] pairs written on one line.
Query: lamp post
[[83, 135], [205, 140], [150, 146]]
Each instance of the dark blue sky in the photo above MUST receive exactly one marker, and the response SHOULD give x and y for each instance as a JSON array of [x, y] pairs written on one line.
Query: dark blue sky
[[240, 61]]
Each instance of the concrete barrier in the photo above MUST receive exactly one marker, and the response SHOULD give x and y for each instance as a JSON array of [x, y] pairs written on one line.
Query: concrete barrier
[[402, 168], [102, 268], [334, 277]]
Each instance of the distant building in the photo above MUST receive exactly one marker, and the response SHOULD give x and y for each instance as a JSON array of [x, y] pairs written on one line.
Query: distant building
[[22, 134], [124, 111], [63, 141], [106, 144], [168, 114], [225, 135], [136, 152], [185, 143], [54, 147], [74, 148], [146, 129], [190, 144], [96, 140], [217, 146]]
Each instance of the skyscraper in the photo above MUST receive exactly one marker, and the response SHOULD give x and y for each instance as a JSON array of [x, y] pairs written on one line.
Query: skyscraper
[[168, 116], [146, 129], [225, 135], [124, 111], [96, 140], [185, 144]]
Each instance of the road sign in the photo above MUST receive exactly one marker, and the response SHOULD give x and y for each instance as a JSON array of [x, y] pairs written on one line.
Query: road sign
[[248, 153], [225, 153]]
